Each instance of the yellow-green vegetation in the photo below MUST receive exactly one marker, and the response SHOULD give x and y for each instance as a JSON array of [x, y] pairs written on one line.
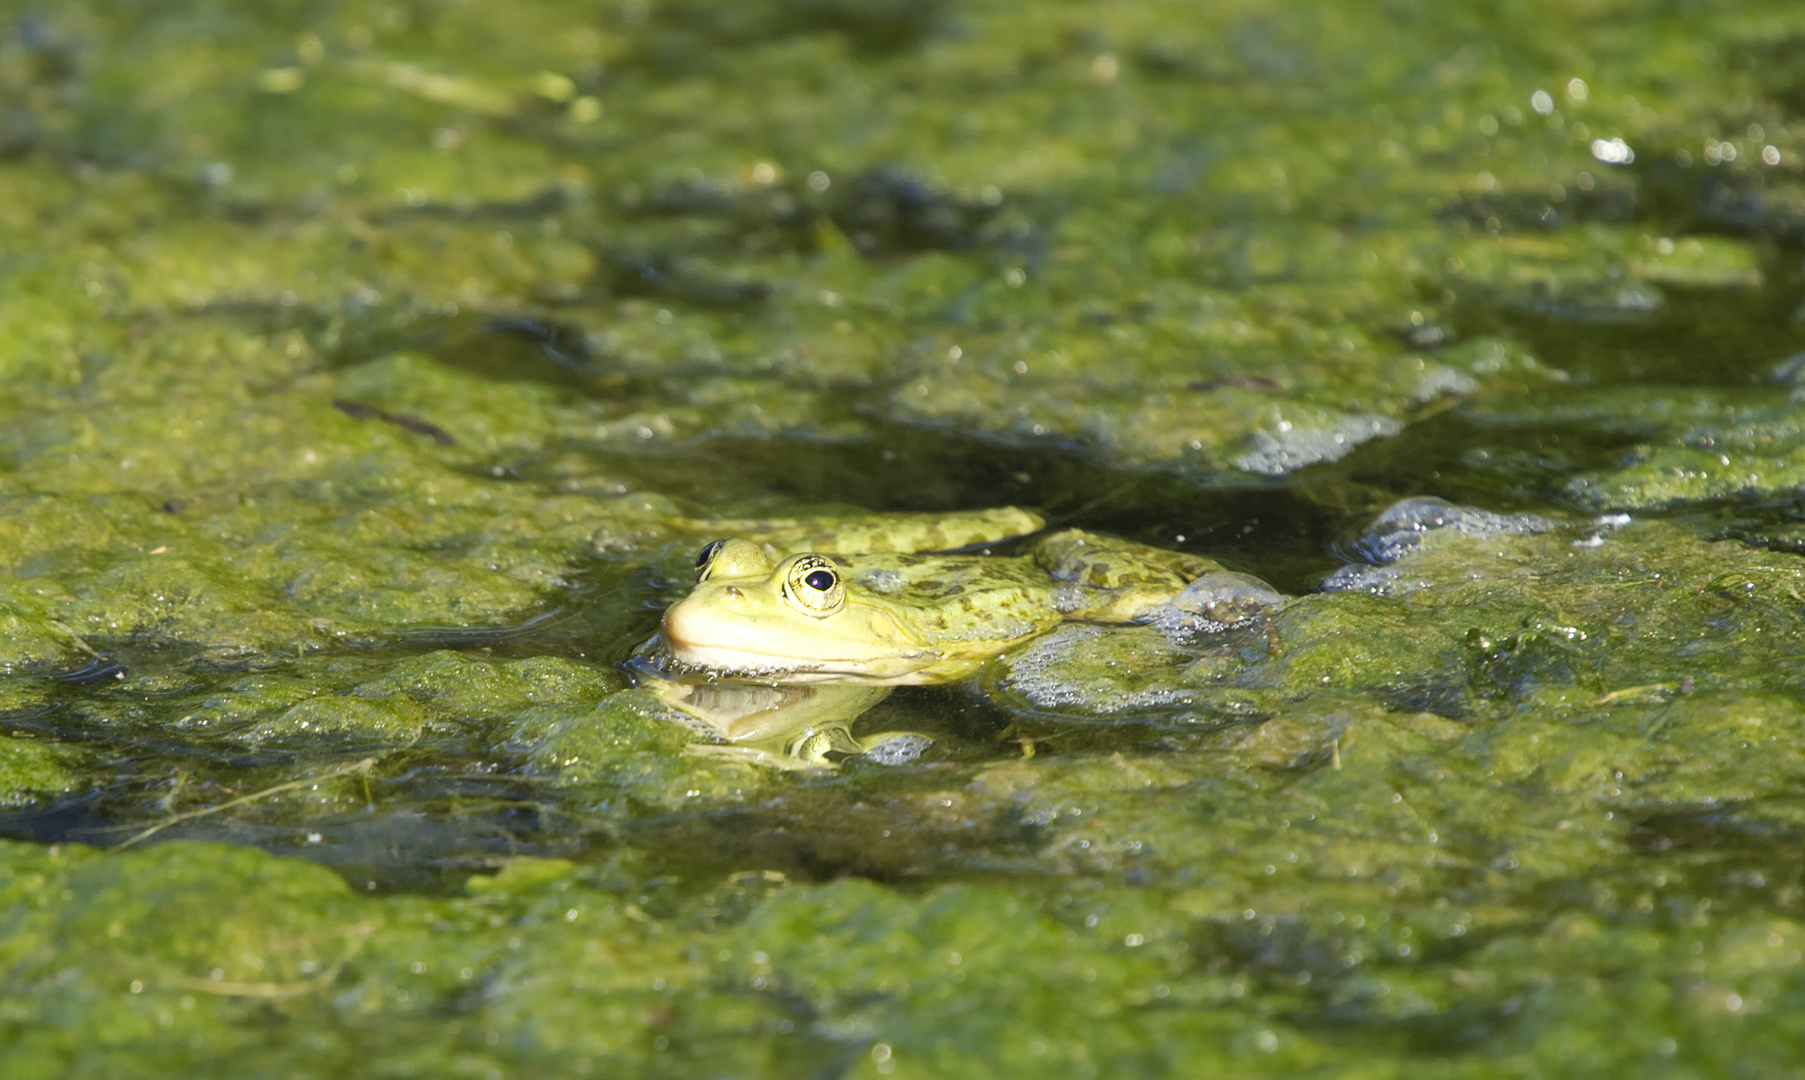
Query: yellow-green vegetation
[[371, 372]]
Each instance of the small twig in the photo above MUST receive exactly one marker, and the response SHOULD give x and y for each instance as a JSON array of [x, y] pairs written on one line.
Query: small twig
[[75, 637], [363, 767], [1638, 694]]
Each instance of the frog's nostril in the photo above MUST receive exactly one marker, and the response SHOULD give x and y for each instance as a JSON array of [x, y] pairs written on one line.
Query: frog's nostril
[[733, 592]]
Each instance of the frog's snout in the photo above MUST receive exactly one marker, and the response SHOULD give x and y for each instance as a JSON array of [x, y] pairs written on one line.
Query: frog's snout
[[682, 622], [698, 622]]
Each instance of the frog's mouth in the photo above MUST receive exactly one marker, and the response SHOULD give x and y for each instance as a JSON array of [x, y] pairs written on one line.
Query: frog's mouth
[[729, 661], [744, 652]]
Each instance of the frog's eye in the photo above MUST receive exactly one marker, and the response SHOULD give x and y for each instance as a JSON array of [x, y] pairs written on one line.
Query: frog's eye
[[813, 585], [705, 558]]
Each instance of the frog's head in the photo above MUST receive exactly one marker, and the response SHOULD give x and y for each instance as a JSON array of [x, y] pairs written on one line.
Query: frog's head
[[799, 620]]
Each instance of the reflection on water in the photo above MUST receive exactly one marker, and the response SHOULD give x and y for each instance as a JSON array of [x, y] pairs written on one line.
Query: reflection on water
[[786, 726]]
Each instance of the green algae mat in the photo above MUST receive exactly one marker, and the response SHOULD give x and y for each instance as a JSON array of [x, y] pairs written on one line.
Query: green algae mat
[[371, 372]]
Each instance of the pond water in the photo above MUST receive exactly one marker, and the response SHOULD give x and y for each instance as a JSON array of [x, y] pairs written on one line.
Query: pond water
[[373, 371]]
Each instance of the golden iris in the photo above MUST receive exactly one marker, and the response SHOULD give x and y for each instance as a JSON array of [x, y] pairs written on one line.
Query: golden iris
[[813, 585]]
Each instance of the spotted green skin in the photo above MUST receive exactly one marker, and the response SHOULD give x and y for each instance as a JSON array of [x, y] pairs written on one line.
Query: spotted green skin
[[911, 618], [873, 533]]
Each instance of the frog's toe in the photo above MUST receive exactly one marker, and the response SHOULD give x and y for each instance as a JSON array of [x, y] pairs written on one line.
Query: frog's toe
[[753, 755]]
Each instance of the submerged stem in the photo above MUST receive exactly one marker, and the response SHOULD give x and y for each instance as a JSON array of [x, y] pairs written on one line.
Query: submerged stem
[[363, 766]]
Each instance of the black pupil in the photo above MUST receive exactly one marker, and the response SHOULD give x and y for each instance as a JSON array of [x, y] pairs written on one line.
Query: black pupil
[[708, 553], [819, 580]]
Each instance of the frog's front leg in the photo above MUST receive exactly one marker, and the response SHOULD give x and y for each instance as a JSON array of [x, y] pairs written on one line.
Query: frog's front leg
[[811, 746], [886, 748]]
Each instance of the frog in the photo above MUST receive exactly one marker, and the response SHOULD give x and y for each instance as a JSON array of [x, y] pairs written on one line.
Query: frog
[[904, 599]]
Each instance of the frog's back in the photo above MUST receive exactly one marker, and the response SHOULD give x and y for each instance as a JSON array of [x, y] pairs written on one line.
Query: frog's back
[[952, 599], [868, 533], [1104, 579]]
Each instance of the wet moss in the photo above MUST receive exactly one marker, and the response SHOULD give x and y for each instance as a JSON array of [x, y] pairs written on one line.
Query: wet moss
[[33, 772], [1104, 979], [503, 193]]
